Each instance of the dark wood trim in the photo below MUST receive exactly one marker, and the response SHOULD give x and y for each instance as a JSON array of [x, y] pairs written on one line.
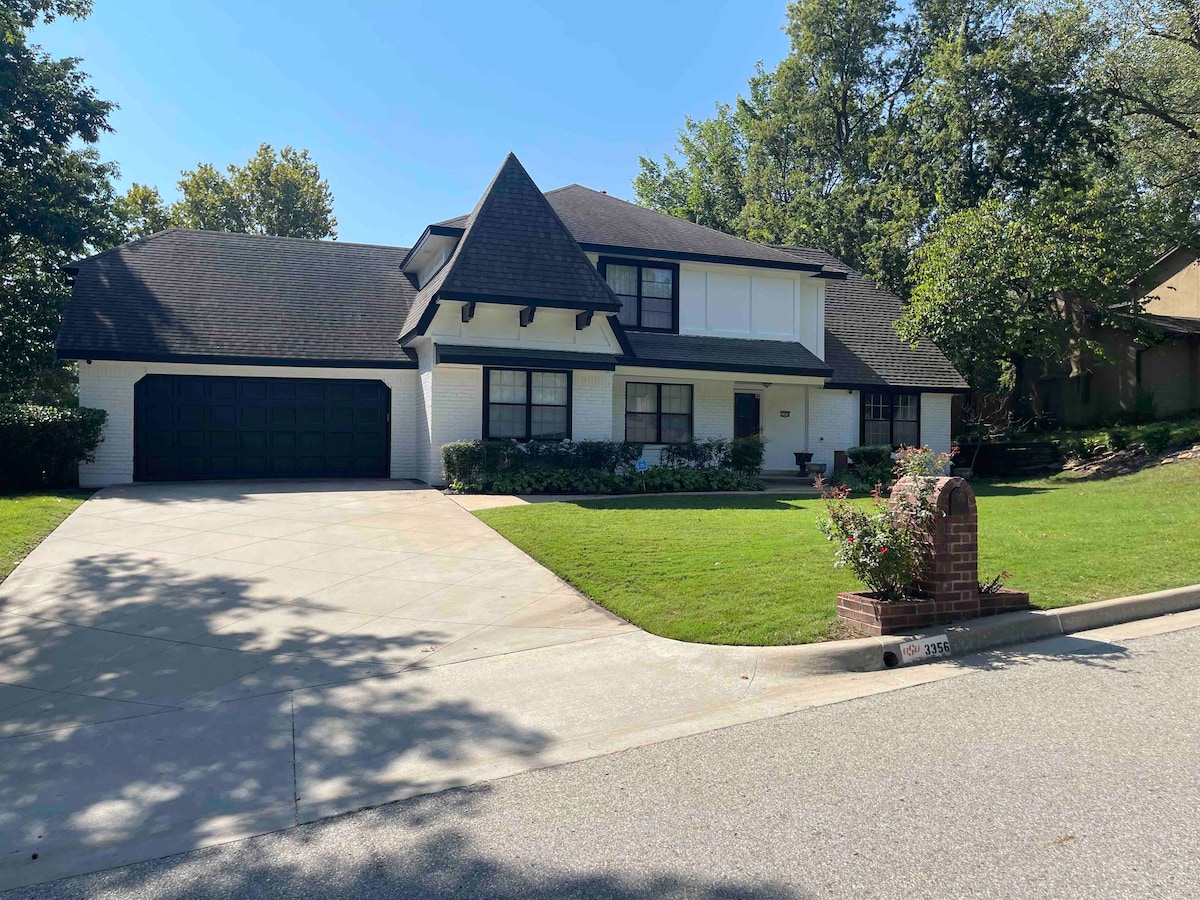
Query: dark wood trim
[[658, 413], [526, 316], [891, 394], [604, 262], [487, 370], [194, 358], [535, 360], [546, 302], [652, 254], [468, 312], [583, 319], [898, 388], [702, 366]]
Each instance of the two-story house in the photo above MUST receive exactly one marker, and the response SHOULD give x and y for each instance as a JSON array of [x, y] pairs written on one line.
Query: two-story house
[[569, 314]]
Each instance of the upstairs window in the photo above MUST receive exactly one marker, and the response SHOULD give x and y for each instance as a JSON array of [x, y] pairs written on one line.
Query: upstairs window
[[526, 404], [893, 419], [649, 293]]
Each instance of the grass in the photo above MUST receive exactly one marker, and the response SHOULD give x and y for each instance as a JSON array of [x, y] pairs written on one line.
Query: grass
[[27, 518], [755, 570]]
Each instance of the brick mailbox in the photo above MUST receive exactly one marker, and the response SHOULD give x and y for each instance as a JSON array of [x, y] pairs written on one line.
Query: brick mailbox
[[949, 588]]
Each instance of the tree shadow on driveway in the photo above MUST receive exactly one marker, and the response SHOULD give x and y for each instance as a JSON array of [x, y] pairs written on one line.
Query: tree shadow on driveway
[[146, 710]]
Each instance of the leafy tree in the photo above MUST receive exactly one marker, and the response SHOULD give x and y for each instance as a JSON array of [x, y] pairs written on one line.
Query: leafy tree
[[55, 194], [1154, 75], [142, 211], [273, 193], [1000, 164], [1010, 281]]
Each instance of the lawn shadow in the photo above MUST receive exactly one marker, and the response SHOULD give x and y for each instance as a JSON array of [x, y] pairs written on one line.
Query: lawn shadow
[[681, 500], [144, 711], [420, 848]]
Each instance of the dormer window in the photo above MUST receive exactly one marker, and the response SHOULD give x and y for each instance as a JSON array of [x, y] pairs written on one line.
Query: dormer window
[[648, 291]]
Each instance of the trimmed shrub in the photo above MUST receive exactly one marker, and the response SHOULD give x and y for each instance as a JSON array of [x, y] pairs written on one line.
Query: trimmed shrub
[[40, 446], [1156, 438], [746, 455], [870, 456], [1118, 439], [594, 467], [871, 465]]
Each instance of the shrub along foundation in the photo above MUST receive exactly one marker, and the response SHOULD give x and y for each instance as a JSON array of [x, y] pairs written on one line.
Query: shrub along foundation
[[949, 588]]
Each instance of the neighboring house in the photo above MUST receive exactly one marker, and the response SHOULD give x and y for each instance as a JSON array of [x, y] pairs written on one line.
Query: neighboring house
[[569, 314], [1155, 361]]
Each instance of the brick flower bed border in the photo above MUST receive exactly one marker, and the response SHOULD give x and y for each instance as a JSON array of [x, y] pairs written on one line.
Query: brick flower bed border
[[868, 615]]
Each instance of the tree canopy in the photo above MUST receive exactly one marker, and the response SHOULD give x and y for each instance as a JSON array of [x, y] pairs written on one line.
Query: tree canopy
[[55, 193], [993, 163], [280, 193]]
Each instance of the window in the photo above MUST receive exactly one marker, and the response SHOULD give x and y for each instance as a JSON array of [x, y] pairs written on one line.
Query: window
[[526, 405], [658, 413], [649, 293], [893, 419]]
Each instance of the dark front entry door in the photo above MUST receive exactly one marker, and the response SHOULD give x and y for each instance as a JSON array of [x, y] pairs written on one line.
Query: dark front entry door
[[190, 427], [747, 415]]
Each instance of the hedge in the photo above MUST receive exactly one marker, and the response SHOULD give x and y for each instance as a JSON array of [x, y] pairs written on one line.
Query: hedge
[[599, 467], [40, 446]]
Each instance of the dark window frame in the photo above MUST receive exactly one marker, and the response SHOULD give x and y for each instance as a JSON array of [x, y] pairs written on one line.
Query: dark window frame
[[891, 396], [529, 404], [605, 261], [658, 411]]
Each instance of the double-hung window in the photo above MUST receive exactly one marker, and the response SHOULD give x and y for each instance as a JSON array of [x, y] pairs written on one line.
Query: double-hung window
[[658, 413], [526, 404], [890, 418], [649, 293]]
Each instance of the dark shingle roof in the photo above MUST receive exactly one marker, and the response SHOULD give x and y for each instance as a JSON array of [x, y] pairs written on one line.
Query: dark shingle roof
[[1177, 326], [183, 293], [604, 223], [516, 249], [861, 343], [686, 351]]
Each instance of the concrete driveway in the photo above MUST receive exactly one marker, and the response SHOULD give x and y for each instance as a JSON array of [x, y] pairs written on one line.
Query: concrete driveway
[[182, 665]]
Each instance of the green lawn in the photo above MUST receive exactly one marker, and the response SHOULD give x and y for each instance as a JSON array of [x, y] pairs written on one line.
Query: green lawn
[[754, 569], [27, 518]]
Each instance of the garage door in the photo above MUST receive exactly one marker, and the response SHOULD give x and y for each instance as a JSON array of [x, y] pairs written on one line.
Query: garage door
[[191, 427]]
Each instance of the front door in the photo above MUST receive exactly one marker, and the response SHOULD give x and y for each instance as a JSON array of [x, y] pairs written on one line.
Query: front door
[[747, 418]]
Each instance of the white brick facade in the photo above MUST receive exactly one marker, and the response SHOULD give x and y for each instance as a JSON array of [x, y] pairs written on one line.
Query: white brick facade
[[436, 404], [109, 386], [833, 423], [935, 421]]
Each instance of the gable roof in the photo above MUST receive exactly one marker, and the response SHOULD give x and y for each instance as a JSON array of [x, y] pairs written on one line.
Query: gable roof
[[604, 224], [861, 343], [514, 249], [209, 296]]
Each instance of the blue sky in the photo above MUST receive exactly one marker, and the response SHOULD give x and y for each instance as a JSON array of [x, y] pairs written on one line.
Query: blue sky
[[409, 108]]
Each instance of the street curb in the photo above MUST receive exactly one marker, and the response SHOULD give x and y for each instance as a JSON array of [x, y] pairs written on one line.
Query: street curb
[[868, 654]]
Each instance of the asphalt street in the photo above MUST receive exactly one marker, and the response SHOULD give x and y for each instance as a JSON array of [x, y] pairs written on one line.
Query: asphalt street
[[1039, 774]]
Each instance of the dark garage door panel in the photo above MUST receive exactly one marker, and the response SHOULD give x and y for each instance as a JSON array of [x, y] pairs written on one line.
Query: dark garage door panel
[[197, 426]]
